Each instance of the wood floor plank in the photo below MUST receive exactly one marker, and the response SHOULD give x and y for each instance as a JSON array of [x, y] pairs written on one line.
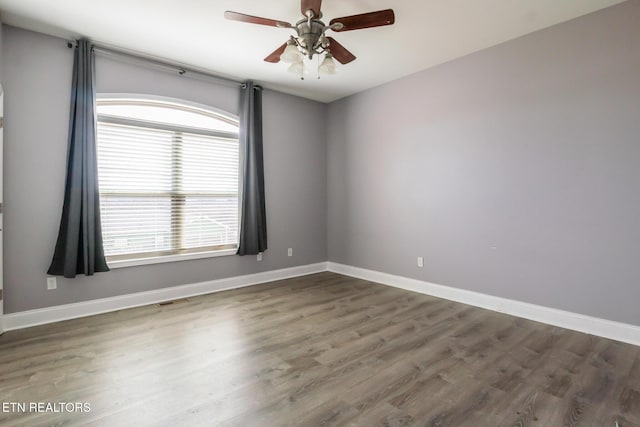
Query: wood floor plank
[[323, 349], [383, 415]]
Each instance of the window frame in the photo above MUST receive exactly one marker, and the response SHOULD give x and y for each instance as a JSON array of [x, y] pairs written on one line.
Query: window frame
[[182, 254]]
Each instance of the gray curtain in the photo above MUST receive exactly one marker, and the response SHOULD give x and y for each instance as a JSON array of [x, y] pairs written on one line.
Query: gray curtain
[[253, 219], [79, 247]]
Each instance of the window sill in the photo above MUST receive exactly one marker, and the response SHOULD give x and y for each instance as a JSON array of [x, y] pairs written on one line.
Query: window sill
[[169, 258]]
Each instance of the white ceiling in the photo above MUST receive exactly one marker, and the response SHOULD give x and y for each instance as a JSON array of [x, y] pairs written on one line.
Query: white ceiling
[[195, 33]]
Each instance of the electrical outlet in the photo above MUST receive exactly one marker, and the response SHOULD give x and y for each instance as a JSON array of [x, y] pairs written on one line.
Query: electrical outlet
[[420, 261], [259, 256], [52, 283], [290, 252]]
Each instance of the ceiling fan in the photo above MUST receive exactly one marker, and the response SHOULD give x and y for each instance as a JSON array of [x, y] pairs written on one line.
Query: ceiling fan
[[311, 38]]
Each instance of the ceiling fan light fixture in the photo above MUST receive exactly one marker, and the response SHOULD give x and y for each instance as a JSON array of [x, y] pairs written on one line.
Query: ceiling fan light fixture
[[297, 68], [291, 54], [311, 39], [328, 65]]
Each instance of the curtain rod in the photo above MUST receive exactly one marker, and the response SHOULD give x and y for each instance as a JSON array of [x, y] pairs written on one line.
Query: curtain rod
[[174, 66]]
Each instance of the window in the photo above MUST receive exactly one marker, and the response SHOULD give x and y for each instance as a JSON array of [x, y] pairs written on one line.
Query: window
[[168, 174]]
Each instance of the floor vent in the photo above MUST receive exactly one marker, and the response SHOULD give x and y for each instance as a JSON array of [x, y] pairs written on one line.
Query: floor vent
[[175, 301]]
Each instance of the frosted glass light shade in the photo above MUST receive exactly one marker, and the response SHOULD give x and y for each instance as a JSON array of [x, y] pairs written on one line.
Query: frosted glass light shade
[[291, 55], [297, 68], [328, 65]]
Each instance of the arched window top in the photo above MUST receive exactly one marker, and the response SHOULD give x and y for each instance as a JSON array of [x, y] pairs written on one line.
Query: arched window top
[[165, 111]]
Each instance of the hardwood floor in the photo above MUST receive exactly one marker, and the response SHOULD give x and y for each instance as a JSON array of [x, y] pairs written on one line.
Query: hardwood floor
[[318, 350]]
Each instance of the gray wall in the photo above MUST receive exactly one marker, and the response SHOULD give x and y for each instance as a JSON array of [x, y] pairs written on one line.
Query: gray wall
[[37, 77], [514, 171], [1, 25]]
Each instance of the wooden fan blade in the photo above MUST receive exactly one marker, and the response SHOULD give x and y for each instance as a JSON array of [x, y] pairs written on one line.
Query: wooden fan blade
[[365, 20], [313, 5], [275, 55], [340, 52], [235, 16]]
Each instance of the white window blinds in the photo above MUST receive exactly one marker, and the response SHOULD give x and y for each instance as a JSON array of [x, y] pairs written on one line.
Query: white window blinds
[[165, 189]]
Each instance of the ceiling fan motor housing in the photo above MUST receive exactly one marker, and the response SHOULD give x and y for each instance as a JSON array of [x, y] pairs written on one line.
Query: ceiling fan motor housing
[[310, 32]]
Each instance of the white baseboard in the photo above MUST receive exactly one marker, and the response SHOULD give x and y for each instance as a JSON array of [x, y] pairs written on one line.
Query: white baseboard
[[58, 313], [565, 319]]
